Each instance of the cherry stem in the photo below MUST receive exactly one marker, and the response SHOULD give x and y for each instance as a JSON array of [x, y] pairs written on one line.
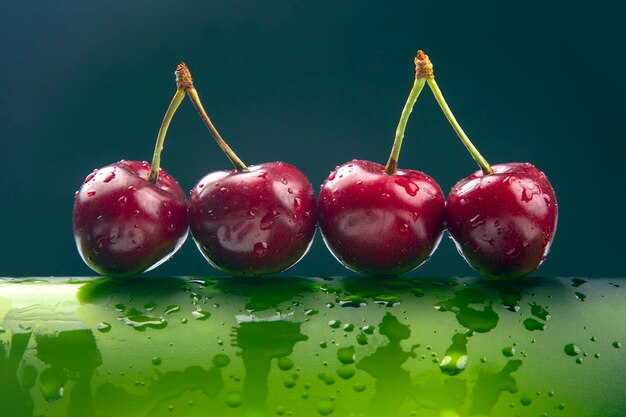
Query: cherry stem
[[392, 164], [482, 162], [153, 177], [422, 61], [185, 82]]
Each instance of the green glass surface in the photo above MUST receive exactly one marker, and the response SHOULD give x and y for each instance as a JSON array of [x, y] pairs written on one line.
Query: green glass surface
[[309, 346]]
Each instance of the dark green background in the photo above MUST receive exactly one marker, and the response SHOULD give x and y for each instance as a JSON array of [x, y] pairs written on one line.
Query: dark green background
[[314, 84]]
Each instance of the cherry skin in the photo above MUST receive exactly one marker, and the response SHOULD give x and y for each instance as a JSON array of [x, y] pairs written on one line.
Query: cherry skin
[[125, 224], [503, 223], [377, 223], [253, 222]]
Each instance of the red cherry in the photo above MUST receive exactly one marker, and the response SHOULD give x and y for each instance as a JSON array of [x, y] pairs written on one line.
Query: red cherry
[[125, 224], [503, 223], [380, 224], [502, 218], [379, 220], [130, 216], [252, 220]]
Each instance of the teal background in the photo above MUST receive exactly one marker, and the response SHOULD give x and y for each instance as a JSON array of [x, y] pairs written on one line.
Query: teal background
[[314, 84]]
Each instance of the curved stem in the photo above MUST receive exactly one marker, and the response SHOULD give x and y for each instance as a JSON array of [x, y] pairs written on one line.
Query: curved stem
[[482, 162], [165, 124], [392, 163], [238, 163]]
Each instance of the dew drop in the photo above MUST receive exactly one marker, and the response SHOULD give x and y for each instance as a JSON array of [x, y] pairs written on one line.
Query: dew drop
[[508, 351], [220, 360], [410, 188], [108, 177], [325, 407], [346, 371], [359, 386], [260, 249], [90, 176], [335, 324], [571, 349], [200, 315], [234, 400], [103, 327], [284, 363]]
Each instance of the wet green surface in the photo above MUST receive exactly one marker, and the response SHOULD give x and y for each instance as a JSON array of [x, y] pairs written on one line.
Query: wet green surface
[[308, 347]]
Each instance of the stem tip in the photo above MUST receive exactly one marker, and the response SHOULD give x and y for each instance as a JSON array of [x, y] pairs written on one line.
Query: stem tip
[[423, 66], [183, 77]]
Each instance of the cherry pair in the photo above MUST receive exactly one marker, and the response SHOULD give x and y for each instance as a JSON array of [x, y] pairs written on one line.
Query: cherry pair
[[129, 217], [384, 221], [260, 219]]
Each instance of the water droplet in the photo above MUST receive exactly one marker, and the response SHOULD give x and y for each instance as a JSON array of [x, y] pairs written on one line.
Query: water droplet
[[368, 329], [220, 360], [289, 190], [346, 355], [579, 360], [156, 361], [122, 200], [91, 193], [52, 382], [108, 177], [172, 309], [359, 386], [310, 312], [200, 315], [571, 349], [103, 327], [234, 400], [526, 400], [297, 204], [335, 324], [325, 407], [540, 312], [532, 324], [580, 296], [260, 249], [616, 344], [508, 351], [346, 371], [385, 195], [90, 176], [410, 188], [223, 190], [141, 323], [285, 363]]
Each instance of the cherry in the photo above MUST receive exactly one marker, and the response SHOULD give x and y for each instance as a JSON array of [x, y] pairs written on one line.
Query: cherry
[[131, 216], [379, 220], [251, 220], [502, 218]]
